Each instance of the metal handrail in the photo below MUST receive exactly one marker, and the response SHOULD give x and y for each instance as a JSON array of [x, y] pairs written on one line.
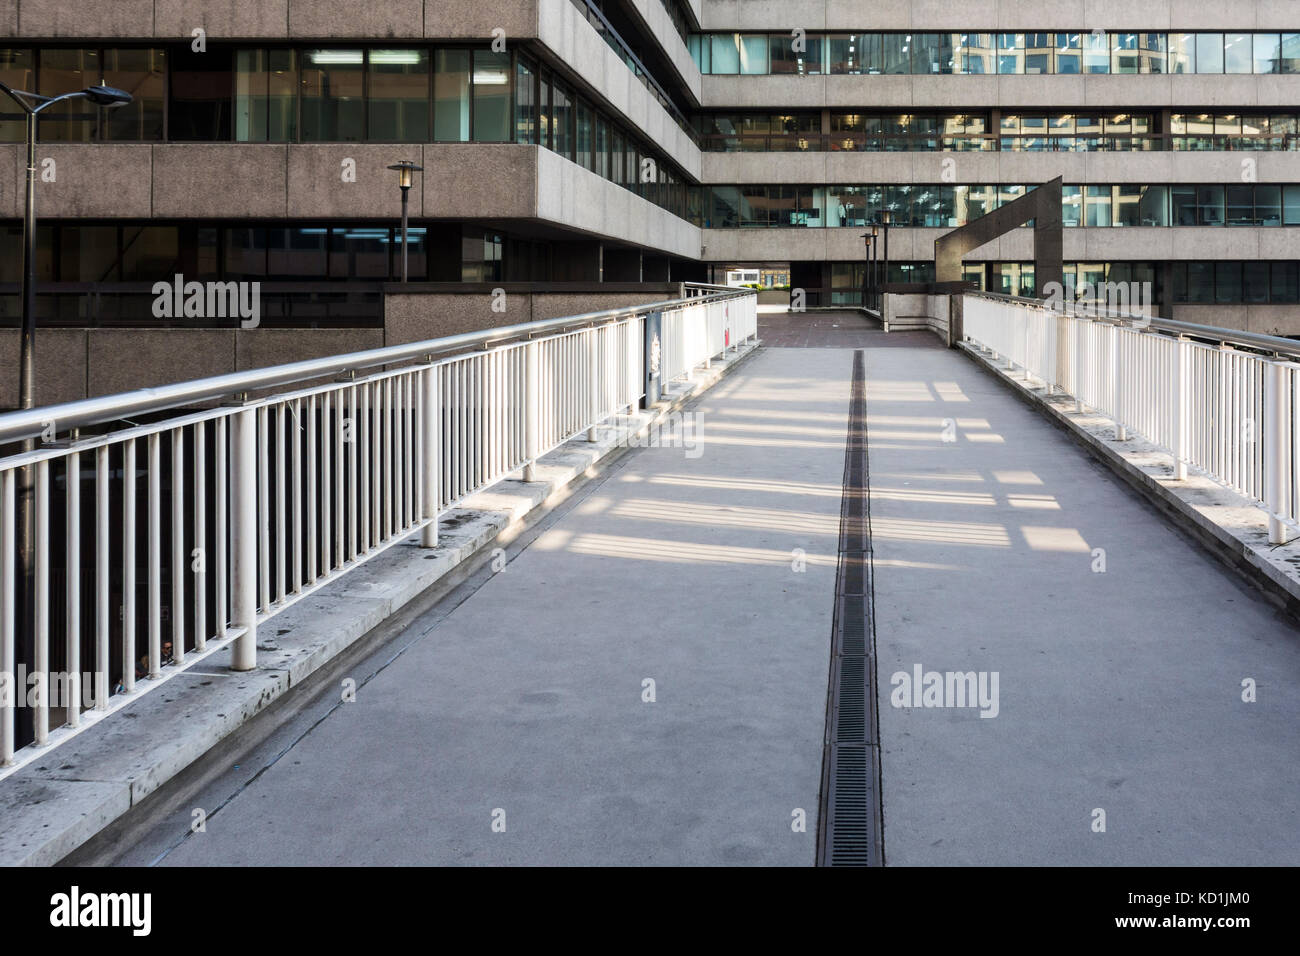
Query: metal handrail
[[1272, 344], [30, 423]]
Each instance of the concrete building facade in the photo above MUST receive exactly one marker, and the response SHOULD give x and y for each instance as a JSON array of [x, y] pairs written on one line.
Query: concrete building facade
[[594, 151]]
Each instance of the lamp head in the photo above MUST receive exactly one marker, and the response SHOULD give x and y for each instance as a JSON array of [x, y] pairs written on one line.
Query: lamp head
[[405, 170], [109, 96]]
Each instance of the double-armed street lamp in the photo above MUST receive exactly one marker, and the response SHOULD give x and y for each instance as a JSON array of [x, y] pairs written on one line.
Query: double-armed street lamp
[[405, 177]]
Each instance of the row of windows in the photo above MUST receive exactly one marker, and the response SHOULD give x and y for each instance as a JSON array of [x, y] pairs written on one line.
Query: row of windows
[[1251, 282], [138, 252], [948, 206], [334, 95], [798, 52], [806, 131]]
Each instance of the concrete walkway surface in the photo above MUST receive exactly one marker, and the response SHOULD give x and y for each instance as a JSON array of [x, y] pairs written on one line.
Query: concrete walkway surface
[[645, 682]]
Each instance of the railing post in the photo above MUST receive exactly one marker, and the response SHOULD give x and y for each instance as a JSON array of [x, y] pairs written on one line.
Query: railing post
[[1117, 391], [243, 536], [432, 464], [593, 369], [1277, 448], [1077, 346], [1182, 412], [532, 396]]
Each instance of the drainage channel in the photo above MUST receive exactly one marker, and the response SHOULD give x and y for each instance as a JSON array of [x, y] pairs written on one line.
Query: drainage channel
[[850, 824]]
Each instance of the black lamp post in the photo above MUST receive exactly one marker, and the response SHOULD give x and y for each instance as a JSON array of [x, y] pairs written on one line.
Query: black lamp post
[[885, 217], [405, 176], [866, 272], [875, 256], [33, 104]]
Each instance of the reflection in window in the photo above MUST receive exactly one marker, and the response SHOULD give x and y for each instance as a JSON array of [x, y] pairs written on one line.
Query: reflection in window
[[491, 88], [451, 96], [333, 107], [398, 96], [266, 89]]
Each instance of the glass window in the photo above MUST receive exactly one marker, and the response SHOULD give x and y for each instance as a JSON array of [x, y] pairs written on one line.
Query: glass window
[[1126, 205], [562, 121], [1290, 60], [1068, 54], [296, 253], [1268, 52], [451, 96], [1240, 205], [786, 59], [142, 74], [398, 96], [18, 72], [266, 96], [1011, 53], [1038, 52], [245, 252], [1254, 282], [584, 135], [525, 107], [602, 147], [1153, 54], [1285, 284], [1182, 53], [1268, 205], [1124, 53], [853, 53], [1209, 53], [1238, 53], [201, 84], [1071, 206], [930, 54], [150, 253], [725, 53], [1209, 205], [1227, 282], [88, 254], [491, 90], [1096, 52], [1200, 282], [332, 102], [1097, 205], [753, 54], [896, 55], [360, 252], [1153, 208], [1291, 205], [978, 53], [1182, 202], [74, 121]]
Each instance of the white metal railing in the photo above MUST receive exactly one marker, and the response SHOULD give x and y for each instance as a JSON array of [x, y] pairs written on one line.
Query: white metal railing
[[160, 542], [1221, 403]]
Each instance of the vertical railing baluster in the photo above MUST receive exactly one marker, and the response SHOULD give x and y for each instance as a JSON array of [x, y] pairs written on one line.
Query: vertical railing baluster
[[243, 519], [281, 484], [154, 480], [71, 685], [200, 537], [178, 561], [128, 565], [263, 509], [102, 571], [221, 528], [41, 662], [8, 597], [311, 424]]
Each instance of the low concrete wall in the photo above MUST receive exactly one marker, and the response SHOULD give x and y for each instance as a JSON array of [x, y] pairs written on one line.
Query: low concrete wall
[[908, 311]]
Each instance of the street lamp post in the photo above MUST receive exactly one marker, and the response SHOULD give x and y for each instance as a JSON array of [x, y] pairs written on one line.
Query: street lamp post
[[405, 170], [866, 272], [885, 217], [875, 256], [33, 104]]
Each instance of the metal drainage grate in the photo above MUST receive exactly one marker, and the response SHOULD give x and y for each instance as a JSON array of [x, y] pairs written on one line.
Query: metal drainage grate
[[850, 825]]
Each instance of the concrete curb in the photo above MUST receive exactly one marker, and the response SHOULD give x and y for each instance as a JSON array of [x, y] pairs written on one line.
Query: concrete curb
[[1230, 526], [52, 806]]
